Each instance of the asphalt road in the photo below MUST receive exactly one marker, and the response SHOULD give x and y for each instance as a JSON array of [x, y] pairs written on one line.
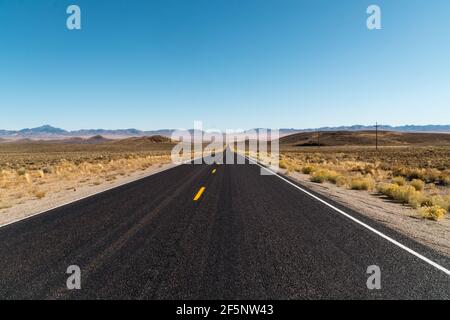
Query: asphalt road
[[247, 236]]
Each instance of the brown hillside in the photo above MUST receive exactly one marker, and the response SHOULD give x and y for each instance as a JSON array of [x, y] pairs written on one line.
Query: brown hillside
[[365, 138], [141, 141]]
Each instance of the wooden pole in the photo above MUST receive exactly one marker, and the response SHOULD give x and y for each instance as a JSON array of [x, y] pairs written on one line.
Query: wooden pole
[[376, 136]]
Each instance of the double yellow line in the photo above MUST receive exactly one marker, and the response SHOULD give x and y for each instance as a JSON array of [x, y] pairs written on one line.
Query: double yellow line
[[202, 189]]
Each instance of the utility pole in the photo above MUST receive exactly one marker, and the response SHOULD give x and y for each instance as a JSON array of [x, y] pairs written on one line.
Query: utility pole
[[318, 138], [376, 136]]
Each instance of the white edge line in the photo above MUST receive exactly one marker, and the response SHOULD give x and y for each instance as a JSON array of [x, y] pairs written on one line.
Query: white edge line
[[96, 193], [398, 244]]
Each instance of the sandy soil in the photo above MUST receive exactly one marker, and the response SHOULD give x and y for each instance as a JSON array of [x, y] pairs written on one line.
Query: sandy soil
[[65, 195], [395, 216]]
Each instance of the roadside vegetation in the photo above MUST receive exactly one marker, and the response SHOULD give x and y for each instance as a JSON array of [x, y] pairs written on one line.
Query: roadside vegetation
[[418, 177], [36, 170]]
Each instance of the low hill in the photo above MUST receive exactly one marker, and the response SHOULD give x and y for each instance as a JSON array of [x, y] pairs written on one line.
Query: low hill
[[96, 139], [93, 144], [365, 138], [142, 141]]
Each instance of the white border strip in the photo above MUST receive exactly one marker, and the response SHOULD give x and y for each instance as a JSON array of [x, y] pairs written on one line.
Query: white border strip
[[398, 244]]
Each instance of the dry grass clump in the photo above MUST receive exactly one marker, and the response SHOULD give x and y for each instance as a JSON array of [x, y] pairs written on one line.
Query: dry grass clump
[[418, 184], [318, 177], [282, 164], [441, 201], [362, 183], [308, 169], [399, 181], [342, 181], [323, 175], [404, 194], [432, 213]]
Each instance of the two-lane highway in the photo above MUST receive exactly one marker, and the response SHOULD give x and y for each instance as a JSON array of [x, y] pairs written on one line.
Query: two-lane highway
[[209, 232]]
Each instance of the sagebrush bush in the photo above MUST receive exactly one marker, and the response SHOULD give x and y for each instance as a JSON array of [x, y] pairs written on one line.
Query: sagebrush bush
[[433, 213], [332, 176], [323, 175], [414, 174], [308, 169], [362, 183], [404, 194], [317, 177], [441, 201], [387, 189], [282, 164], [418, 184], [417, 199], [399, 181], [342, 181]]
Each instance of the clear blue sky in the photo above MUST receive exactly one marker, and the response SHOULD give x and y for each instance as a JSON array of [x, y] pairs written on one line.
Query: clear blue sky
[[230, 63]]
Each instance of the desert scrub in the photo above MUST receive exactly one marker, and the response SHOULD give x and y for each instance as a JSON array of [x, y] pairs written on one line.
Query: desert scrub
[[432, 213], [342, 181], [282, 164], [399, 181], [441, 201], [333, 176], [418, 177], [430, 175], [404, 194], [323, 175], [318, 177], [362, 183], [308, 169], [418, 184], [35, 178]]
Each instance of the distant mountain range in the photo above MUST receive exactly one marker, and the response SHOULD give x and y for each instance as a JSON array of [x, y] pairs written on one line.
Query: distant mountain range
[[49, 132]]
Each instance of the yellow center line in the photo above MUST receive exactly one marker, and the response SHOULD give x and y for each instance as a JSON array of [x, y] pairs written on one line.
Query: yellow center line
[[214, 171], [199, 193]]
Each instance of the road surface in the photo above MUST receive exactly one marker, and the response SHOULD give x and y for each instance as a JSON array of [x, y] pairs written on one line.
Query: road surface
[[245, 236]]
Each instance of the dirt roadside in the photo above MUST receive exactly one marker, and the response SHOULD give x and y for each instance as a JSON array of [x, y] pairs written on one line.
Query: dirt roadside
[[66, 195]]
